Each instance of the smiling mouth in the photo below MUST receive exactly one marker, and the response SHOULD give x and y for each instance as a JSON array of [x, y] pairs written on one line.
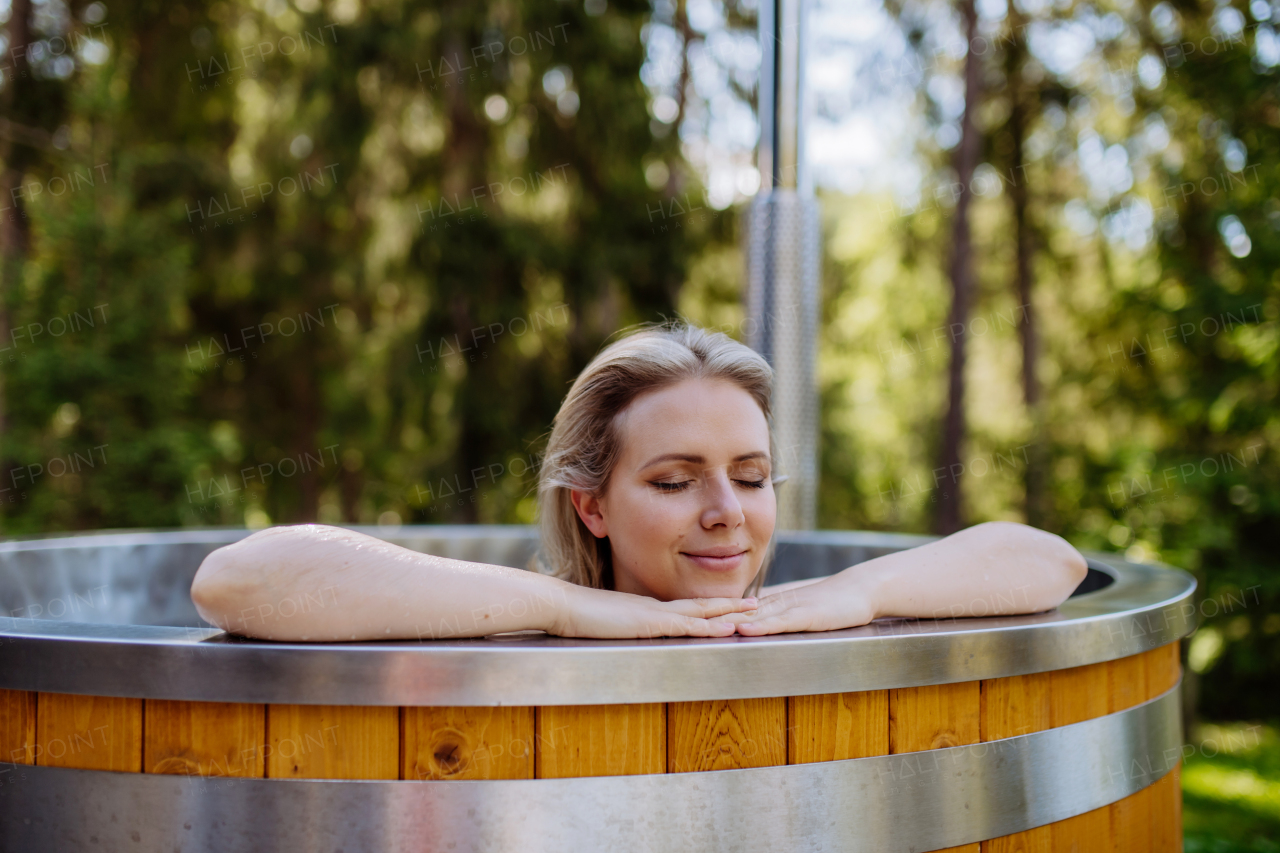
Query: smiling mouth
[[714, 562]]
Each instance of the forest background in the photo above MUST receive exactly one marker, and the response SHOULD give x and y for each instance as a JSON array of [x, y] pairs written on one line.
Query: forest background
[[271, 262]]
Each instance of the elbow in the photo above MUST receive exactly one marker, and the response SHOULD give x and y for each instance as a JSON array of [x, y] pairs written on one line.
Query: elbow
[[1053, 566], [1076, 568], [220, 589], [236, 585], [1062, 567]]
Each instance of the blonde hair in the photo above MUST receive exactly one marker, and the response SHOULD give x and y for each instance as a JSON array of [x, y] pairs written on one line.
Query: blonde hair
[[584, 446]]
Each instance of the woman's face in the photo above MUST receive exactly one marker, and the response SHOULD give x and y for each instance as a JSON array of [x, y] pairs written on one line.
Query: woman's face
[[689, 508]]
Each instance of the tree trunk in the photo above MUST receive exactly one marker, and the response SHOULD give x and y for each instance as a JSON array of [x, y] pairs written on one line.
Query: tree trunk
[[14, 232], [948, 478], [1034, 505], [463, 166]]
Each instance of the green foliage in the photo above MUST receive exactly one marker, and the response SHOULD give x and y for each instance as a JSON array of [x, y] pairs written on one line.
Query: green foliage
[[350, 258], [1231, 790], [1158, 357], [344, 259]]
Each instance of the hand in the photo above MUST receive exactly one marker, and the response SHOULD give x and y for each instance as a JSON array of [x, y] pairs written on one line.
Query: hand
[[604, 614], [844, 600]]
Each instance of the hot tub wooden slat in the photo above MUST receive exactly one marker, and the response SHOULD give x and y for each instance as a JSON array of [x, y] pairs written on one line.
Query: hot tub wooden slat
[[89, 732], [1015, 706], [17, 726], [333, 742], [1126, 682], [835, 726], [1166, 813], [1037, 840], [601, 740], [467, 743], [353, 742], [204, 738], [934, 717], [1127, 685], [1078, 694], [1164, 667], [726, 734]]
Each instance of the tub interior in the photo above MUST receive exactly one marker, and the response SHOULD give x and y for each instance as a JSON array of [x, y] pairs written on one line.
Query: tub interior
[[145, 578]]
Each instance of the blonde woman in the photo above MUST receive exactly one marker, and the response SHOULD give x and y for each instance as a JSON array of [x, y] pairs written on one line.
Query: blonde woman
[[657, 512]]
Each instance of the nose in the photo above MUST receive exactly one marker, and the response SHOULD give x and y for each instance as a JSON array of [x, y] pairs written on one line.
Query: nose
[[720, 504]]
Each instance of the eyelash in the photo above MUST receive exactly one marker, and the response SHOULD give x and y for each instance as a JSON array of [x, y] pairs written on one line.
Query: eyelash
[[679, 487]]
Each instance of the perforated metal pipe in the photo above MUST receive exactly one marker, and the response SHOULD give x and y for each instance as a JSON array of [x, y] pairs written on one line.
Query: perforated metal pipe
[[784, 261]]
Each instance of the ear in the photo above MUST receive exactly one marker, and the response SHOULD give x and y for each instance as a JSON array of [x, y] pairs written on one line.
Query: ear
[[590, 511]]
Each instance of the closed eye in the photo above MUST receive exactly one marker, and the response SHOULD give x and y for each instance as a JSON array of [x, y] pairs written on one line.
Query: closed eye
[[684, 484]]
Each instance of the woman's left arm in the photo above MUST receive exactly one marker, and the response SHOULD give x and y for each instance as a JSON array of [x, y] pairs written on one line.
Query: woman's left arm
[[994, 569]]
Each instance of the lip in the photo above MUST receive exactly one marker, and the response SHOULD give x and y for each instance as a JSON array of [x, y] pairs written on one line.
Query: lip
[[717, 559]]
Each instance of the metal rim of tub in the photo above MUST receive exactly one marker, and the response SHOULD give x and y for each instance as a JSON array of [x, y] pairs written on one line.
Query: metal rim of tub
[[909, 802], [1144, 607]]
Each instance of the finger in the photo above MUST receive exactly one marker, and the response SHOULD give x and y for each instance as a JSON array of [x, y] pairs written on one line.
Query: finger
[[707, 608], [782, 623], [739, 618], [689, 626], [769, 606], [784, 599], [711, 628]]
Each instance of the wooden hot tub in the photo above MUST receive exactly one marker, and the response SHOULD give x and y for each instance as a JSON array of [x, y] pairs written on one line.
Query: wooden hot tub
[[128, 724]]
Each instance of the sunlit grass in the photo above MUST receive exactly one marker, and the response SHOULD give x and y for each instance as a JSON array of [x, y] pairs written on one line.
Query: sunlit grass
[[1231, 790]]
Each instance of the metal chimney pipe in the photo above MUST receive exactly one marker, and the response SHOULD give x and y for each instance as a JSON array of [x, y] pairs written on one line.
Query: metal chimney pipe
[[783, 261]]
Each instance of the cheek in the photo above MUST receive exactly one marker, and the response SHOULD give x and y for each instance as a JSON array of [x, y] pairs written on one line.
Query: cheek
[[647, 521], [763, 510]]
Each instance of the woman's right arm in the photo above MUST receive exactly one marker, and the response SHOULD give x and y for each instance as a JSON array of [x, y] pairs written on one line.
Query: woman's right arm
[[322, 584]]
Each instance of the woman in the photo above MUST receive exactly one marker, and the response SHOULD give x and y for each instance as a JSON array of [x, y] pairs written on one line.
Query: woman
[[657, 513]]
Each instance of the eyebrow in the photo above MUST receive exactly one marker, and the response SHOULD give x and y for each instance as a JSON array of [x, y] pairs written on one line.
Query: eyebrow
[[699, 460]]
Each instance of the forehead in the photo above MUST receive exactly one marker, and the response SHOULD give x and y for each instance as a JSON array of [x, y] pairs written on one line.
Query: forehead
[[713, 418]]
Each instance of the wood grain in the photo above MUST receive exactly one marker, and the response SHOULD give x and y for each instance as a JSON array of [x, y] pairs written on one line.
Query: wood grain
[[600, 740], [1079, 694], [1038, 840], [345, 742], [89, 732], [1163, 668], [332, 742], [1127, 682], [204, 738], [836, 726], [1127, 685], [468, 743], [1166, 813], [935, 717], [726, 734], [17, 726], [1011, 707]]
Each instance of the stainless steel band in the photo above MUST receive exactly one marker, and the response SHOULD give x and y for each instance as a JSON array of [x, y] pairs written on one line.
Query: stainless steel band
[[1145, 607], [918, 801]]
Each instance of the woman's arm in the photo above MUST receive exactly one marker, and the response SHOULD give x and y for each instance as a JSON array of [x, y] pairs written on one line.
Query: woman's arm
[[318, 583], [992, 569], [783, 587]]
